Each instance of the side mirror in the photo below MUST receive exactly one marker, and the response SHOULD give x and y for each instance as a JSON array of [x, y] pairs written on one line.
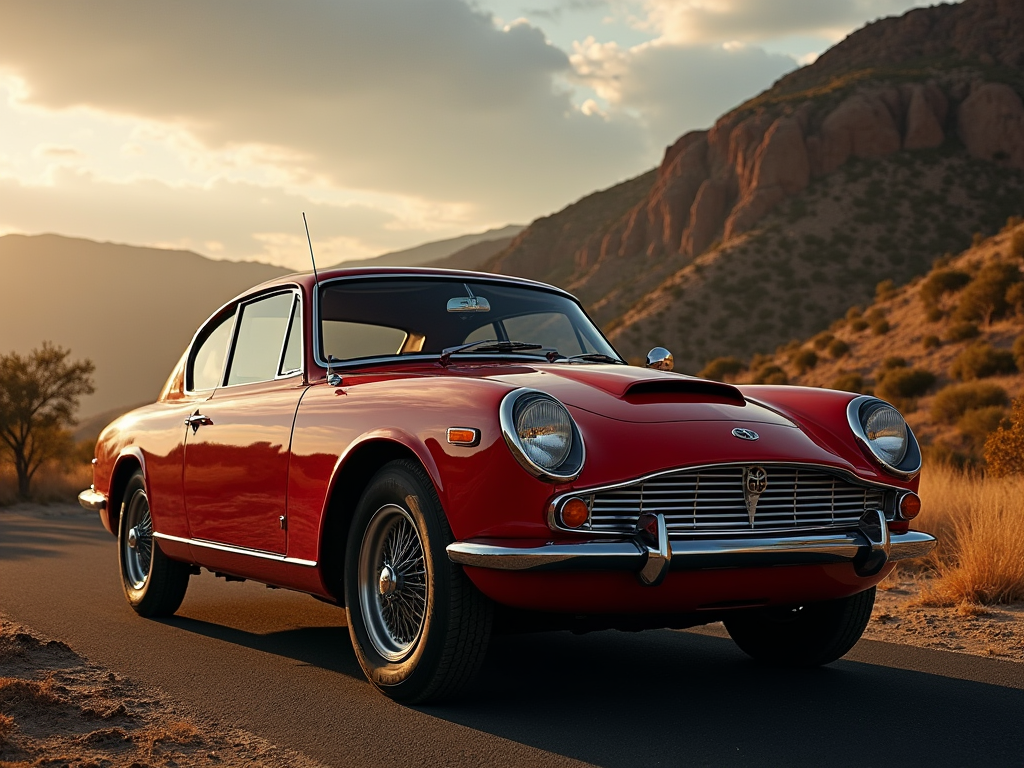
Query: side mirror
[[660, 359]]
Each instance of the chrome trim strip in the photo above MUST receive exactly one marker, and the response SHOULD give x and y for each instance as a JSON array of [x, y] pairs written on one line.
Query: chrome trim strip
[[556, 503], [92, 500], [628, 555], [236, 550], [508, 431], [853, 418]]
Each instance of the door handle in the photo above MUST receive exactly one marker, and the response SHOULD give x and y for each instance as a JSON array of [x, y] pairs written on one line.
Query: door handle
[[197, 420]]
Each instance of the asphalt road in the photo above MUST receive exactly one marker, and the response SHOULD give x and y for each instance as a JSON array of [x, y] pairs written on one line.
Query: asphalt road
[[280, 665]]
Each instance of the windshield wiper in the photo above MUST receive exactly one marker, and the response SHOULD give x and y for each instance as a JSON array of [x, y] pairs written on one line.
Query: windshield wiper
[[592, 357], [487, 345]]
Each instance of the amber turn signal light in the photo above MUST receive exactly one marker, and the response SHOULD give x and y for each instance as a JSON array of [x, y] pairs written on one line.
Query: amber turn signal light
[[910, 506], [575, 513], [463, 436]]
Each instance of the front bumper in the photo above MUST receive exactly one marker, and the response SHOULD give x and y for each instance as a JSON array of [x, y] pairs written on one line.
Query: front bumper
[[92, 500], [651, 554]]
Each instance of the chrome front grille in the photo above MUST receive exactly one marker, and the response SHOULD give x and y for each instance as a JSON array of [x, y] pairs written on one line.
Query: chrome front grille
[[711, 501]]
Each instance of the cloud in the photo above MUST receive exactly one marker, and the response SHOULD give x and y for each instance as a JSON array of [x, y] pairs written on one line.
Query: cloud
[[707, 21], [427, 99], [676, 87], [224, 219]]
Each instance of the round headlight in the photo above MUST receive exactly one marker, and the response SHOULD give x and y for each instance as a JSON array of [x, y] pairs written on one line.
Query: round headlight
[[545, 432], [887, 434], [542, 435]]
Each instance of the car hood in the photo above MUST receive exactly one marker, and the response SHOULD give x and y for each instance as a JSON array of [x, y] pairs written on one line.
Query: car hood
[[639, 395]]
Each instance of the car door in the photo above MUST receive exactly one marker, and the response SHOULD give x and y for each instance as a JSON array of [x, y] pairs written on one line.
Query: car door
[[238, 443]]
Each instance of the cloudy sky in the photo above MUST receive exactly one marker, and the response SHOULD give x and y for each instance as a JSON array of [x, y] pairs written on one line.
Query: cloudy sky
[[211, 124]]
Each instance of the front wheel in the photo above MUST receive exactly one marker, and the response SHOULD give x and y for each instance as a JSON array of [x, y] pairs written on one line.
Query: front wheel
[[419, 628], [153, 584], [804, 636]]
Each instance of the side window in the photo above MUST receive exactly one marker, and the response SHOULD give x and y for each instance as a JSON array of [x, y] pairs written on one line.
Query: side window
[[292, 360], [208, 361], [259, 339]]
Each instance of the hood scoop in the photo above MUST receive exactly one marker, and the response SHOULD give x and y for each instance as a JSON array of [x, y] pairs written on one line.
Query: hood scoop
[[682, 390]]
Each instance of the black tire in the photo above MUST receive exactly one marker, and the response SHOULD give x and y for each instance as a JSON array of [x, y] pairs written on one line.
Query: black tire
[[807, 636], [153, 584], [419, 630]]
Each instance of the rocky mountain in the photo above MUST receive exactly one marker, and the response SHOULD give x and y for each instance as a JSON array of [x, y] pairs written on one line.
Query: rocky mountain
[[899, 143]]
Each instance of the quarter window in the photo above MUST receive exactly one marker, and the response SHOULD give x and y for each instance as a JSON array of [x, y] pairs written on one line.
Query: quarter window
[[258, 343], [208, 362], [292, 360]]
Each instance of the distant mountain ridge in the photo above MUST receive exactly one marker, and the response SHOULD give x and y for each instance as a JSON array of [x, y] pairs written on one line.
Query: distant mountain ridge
[[424, 255]]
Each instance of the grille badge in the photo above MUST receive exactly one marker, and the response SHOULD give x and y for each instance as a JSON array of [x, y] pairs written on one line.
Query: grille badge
[[745, 434], [755, 482]]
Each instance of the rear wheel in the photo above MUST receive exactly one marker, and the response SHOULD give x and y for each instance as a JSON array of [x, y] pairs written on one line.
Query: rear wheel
[[419, 628], [153, 584], [805, 636]]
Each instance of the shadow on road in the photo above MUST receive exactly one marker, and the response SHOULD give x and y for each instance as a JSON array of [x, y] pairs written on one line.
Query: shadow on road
[[617, 699], [46, 535]]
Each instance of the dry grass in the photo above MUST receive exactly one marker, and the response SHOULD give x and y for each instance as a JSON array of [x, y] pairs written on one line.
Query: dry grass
[[980, 525], [52, 483]]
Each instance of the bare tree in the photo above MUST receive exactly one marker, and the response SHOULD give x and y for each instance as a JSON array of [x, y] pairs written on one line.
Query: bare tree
[[38, 398]]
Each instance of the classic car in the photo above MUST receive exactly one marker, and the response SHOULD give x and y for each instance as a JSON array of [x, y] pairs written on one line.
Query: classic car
[[449, 453]]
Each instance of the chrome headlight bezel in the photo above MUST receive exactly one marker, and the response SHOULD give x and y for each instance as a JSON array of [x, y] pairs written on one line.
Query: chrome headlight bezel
[[858, 412], [569, 469]]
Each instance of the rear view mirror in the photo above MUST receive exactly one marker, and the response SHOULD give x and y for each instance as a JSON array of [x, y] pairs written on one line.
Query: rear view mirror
[[468, 303]]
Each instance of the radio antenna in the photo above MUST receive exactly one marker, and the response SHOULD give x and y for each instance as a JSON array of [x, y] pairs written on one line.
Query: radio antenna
[[332, 378]]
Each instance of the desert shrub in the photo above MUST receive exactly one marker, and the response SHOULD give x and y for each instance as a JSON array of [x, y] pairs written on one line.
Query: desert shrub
[[803, 360], [721, 367], [977, 424], [770, 374], [930, 342], [1015, 298], [961, 332], [822, 340], [853, 313], [941, 282], [894, 361], [885, 290], [955, 400], [874, 314], [979, 361], [848, 382], [1018, 352], [880, 327], [984, 299], [838, 348], [1004, 449], [903, 383], [934, 314], [1017, 245], [859, 324]]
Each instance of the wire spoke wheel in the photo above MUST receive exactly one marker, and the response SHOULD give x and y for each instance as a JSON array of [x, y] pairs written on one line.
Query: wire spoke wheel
[[393, 582], [137, 544]]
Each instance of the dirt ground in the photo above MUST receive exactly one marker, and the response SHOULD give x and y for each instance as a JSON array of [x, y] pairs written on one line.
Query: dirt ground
[[57, 709], [902, 615]]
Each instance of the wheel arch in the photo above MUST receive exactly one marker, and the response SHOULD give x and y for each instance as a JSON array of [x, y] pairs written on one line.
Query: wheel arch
[[352, 474], [128, 463]]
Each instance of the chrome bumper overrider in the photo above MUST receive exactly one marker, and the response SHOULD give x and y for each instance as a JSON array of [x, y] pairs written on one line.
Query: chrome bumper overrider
[[651, 554], [92, 500]]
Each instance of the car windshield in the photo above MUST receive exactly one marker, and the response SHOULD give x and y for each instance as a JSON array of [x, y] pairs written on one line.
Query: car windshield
[[375, 318]]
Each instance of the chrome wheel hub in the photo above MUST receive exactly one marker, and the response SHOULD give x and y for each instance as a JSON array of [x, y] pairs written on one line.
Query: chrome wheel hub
[[388, 581], [133, 537], [393, 582]]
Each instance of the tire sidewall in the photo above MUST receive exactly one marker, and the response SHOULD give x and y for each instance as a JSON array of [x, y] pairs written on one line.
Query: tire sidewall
[[406, 678], [136, 484]]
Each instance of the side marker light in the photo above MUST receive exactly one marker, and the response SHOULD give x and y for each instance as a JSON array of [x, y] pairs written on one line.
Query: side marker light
[[575, 513], [463, 436], [910, 506]]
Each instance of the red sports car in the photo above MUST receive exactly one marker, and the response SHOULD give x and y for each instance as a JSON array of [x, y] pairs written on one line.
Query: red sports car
[[446, 453]]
